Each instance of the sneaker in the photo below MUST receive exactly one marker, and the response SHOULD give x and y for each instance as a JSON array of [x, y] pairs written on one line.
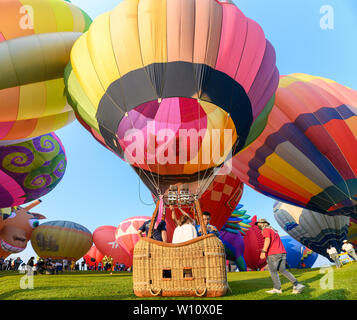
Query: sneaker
[[298, 288], [274, 291]]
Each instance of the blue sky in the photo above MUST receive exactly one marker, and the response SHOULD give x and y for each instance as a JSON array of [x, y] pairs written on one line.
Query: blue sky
[[99, 189]]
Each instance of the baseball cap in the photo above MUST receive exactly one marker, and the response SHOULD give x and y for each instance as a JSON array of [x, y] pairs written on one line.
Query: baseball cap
[[262, 220]]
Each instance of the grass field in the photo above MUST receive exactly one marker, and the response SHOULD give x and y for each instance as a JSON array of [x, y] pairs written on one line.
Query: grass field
[[86, 285]]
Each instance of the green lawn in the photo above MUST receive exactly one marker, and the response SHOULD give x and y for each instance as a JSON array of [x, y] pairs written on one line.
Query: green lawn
[[83, 285]]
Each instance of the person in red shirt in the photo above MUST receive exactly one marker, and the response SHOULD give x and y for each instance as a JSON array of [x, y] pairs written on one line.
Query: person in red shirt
[[275, 254]]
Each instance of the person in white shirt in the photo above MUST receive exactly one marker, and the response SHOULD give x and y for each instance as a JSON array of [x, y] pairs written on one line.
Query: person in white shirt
[[334, 256], [185, 229], [348, 247]]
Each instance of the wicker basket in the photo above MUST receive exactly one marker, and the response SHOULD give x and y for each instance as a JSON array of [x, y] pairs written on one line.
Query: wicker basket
[[193, 268]]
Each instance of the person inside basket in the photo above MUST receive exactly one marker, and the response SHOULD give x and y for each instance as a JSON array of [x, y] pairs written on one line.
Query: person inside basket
[[275, 254], [185, 227], [210, 228], [158, 234]]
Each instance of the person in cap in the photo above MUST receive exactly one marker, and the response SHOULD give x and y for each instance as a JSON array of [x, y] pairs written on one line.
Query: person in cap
[[332, 252], [348, 247], [275, 254]]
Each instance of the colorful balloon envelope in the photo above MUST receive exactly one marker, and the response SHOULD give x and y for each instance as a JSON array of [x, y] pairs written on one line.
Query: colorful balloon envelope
[[104, 240], [93, 257], [30, 169], [61, 240], [234, 248], [307, 154], [126, 235], [297, 255], [163, 68], [16, 227], [312, 229], [36, 37]]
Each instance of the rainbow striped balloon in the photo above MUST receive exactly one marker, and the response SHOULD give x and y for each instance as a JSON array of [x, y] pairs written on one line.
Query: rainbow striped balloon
[[307, 154], [30, 169], [36, 37], [176, 65]]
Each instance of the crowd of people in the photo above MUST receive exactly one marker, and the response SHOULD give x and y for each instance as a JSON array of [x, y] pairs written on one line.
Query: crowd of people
[[55, 266]]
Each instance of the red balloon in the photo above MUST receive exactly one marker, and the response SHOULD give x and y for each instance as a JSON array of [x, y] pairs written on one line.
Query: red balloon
[[104, 240], [93, 256], [253, 245], [221, 198], [126, 234]]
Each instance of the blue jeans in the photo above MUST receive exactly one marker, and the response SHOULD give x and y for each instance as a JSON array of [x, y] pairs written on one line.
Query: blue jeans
[[277, 263]]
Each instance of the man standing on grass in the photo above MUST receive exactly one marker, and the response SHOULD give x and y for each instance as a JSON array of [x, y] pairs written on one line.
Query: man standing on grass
[[276, 258], [348, 247]]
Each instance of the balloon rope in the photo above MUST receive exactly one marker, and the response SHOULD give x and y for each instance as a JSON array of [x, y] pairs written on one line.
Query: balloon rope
[[153, 219]]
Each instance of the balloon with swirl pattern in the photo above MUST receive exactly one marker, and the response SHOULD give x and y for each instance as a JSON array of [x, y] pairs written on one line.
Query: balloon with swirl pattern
[[30, 169]]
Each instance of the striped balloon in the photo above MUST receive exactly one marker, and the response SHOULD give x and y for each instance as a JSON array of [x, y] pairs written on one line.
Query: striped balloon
[[30, 169], [314, 230], [307, 154], [36, 37], [157, 65]]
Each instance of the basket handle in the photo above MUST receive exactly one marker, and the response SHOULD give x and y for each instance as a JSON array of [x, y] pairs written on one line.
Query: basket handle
[[200, 294], [155, 294]]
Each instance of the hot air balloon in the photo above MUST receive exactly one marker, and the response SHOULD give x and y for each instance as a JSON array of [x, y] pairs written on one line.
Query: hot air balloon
[[307, 154], [297, 255], [16, 227], [126, 234], [61, 240], [312, 229], [174, 87], [93, 257], [36, 37], [253, 245], [30, 169], [352, 232], [104, 240]]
